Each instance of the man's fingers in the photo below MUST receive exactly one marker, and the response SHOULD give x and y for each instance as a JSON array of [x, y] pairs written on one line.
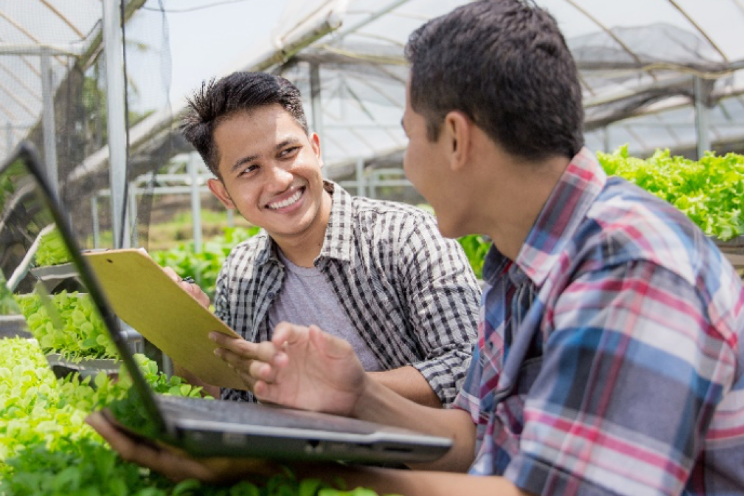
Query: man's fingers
[[128, 448], [248, 380], [331, 346], [196, 292], [284, 332], [235, 345], [189, 286], [262, 371], [242, 349], [172, 274], [251, 361]]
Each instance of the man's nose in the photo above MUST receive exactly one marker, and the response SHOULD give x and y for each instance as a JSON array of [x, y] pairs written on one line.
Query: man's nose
[[281, 177]]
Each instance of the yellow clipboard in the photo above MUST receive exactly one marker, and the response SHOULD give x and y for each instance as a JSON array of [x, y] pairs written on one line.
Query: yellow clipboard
[[144, 297]]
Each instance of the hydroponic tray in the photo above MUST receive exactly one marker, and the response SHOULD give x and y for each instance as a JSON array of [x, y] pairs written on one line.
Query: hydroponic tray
[[56, 272], [54, 275], [85, 366], [13, 326], [734, 243]]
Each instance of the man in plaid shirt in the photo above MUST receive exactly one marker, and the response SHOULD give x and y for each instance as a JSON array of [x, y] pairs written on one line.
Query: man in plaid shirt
[[378, 274], [609, 359]]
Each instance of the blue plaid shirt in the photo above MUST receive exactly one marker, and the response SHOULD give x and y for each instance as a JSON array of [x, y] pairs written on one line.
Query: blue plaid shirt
[[609, 358]]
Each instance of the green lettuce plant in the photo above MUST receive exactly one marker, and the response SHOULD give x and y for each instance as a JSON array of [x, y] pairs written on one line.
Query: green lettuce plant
[[476, 247], [68, 324], [709, 191], [205, 265], [46, 448], [52, 250]]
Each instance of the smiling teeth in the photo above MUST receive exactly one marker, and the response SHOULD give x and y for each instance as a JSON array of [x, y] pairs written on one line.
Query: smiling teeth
[[285, 203]]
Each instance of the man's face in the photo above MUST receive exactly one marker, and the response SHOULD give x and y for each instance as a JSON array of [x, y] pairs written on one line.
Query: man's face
[[270, 171], [424, 162]]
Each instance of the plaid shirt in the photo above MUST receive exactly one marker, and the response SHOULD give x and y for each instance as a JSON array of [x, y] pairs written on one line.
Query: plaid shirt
[[609, 357], [409, 292]]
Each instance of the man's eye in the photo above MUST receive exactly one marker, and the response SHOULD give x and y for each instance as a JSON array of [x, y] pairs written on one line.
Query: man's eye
[[248, 169], [289, 151]]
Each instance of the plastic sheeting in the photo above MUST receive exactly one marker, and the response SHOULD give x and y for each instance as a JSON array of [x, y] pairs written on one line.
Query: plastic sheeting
[[638, 62]]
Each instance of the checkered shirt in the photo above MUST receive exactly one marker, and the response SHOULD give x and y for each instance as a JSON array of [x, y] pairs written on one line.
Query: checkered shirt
[[609, 357], [409, 292]]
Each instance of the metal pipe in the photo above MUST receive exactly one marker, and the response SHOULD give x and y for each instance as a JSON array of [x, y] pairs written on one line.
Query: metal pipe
[[315, 101], [195, 202], [133, 216], [116, 119], [606, 139], [361, 189], [38, 49], [96, 226], [48, 125], [702, 117], [8, 138]]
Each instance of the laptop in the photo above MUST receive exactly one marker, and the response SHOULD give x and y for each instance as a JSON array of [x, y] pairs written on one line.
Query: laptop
[[201, 427]]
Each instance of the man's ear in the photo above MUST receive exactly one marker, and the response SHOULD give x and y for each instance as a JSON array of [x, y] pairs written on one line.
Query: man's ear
[[315, 142], [457, 130], [218, 189]]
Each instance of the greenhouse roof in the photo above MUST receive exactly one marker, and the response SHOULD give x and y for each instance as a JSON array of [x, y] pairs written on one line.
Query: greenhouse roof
[[639, 63], [36, 35], [642, 64]]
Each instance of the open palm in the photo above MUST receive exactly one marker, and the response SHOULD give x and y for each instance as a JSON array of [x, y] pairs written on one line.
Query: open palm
[[307, 368]]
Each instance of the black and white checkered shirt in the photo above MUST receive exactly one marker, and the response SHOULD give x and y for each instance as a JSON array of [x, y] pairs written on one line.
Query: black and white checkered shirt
[[409, 292]]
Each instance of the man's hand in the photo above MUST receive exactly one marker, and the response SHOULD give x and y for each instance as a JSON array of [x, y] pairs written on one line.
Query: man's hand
[[191, 288], [175, 464], [300, 367]]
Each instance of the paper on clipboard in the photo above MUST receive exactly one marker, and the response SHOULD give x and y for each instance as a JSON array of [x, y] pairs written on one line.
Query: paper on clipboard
[[144, 297]]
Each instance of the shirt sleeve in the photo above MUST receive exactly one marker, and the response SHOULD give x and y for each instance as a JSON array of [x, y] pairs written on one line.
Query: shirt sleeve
[[632, 373], [443, 296], [468, 397], [221, 309]]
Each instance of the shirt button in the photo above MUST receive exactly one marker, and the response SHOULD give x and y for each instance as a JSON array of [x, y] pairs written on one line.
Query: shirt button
[[271, 295]]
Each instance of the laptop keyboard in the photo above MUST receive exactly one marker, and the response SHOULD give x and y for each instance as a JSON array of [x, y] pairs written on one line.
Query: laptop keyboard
[[252, 413]]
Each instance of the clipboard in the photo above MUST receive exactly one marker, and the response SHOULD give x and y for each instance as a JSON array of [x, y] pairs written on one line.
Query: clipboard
[[144, 297]]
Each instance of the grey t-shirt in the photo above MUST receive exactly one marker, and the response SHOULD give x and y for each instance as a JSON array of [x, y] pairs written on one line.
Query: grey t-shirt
[[307, 299]]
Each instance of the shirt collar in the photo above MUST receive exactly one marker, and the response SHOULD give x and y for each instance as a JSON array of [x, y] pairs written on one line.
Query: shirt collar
[[339, 233], [565, 209], [338, 229]]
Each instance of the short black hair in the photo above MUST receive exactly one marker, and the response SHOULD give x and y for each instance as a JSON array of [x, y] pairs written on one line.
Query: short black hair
[[238, 92], [506, 65]]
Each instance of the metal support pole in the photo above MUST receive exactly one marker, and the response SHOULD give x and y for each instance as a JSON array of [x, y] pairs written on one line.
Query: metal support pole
[[96, 227], [50, 134], [8, 138], [195, 202], [372, 186], [230, 218], [702, 117], [116, 125], [133, 213], [606, 139], [361, 189], [315, 100]]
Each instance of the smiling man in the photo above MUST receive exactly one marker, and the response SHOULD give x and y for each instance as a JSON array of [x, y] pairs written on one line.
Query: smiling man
[[609, 358], [377, 274]]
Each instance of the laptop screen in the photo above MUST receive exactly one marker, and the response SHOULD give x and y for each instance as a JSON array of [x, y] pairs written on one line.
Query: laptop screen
[[41, 264]]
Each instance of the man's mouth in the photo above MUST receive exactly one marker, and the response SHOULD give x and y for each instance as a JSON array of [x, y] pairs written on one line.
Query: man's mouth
[[286, 203]]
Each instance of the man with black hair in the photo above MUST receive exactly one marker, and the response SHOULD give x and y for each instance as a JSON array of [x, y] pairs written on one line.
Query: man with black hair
[[378, 274], [609, 359]]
